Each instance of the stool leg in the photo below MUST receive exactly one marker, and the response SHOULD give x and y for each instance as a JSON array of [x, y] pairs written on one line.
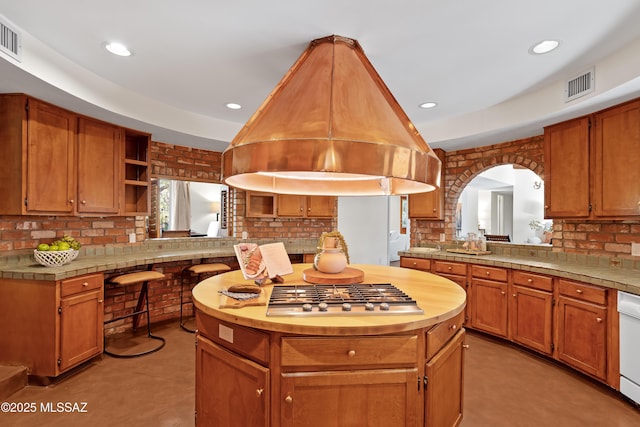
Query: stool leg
[[141, 299], [189, 275]]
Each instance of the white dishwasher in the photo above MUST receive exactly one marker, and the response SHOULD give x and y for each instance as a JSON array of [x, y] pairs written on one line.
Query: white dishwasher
[[629, 309]]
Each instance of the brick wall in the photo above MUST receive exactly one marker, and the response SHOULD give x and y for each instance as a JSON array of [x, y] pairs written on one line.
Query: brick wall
[[600, 238]]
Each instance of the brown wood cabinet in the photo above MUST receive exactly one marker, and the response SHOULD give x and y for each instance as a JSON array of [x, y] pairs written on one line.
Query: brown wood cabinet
[[51, 326], [591, 165], [582, 325], [244, 398], [531, 311], [444, 384], [429, 205], [136, 195], [456, 272], [38, 152], [617, 161], [99, 180], [488, 300], [60, 163], [306, 206], [260, 204]]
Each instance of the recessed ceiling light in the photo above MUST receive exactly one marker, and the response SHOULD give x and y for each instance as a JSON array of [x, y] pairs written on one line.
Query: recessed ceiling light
[[233, 106], [544, 46], [118, 49], [427, 105]]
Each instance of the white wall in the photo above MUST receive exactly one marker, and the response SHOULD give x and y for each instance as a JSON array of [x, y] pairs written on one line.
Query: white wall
[[364, 223]]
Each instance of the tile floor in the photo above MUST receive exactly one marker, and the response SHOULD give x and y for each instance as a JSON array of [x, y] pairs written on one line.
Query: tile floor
[[504, 386]]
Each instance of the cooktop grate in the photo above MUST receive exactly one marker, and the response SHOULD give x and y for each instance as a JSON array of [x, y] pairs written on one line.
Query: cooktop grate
[[348, 299]]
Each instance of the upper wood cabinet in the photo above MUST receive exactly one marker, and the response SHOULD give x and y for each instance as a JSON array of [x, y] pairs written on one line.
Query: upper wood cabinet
[[38, 151], [429, 205], [99, 167], [260, 204], [566, 164], [306, 206], [57, 162], [591, 165], [136, 196], [617, 161]]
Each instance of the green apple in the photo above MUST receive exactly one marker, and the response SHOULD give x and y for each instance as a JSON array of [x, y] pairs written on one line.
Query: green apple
[[43, 247]]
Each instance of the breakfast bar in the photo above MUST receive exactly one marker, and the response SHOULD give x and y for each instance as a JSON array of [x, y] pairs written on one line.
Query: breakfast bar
[[335, 369]]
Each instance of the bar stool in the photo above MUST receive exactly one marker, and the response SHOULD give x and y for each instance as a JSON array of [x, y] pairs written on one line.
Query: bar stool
[[197, 270], [143, 300]]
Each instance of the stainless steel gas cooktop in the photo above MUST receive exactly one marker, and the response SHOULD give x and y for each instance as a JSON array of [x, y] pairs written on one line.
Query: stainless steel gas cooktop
[[349, 299]]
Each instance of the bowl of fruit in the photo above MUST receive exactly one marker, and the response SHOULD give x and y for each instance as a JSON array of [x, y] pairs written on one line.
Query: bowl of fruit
[[57, 253]]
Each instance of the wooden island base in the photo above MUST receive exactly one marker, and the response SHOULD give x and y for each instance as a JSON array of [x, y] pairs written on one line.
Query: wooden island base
[[373, 370]]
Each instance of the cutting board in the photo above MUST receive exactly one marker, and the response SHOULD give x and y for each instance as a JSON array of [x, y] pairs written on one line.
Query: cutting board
[[346, 276], [468, 252], [228, 302]]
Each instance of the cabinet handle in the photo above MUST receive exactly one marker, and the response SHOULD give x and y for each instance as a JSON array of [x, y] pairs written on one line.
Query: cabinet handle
[[488, 273], [453, 327], [599, 319], [84, 202], [288, 399], [502, 292], [351, 353], [579, 291], [449, 268], [259, 392], [85, 284], [465, 346], [514, 295], [100, 301], [71, 201], [529, 281], [415, 263], [434, 209]]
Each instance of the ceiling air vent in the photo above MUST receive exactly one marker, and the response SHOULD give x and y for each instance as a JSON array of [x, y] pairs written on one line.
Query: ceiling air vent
[[580, 85], [10, 39]]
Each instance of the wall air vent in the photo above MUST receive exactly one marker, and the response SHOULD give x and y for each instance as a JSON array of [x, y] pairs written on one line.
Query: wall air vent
[[579, 85], [10, 39]]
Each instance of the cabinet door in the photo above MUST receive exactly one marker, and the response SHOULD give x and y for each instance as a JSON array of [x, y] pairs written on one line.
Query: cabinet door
[[566, 164], [617, 161], [50, 186], [98, 167], [489, 306], [321, 206], [344, 398], [582, 336], [230, 390], [291, 205], [81, 328], [530, 315], [444, 389], [426, 205]]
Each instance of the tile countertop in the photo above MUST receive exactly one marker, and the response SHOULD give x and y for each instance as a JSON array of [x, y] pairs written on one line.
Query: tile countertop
[[585, 269], [153, 251]]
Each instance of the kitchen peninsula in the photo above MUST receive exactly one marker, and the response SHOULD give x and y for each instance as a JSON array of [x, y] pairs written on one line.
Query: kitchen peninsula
[[380, 369]]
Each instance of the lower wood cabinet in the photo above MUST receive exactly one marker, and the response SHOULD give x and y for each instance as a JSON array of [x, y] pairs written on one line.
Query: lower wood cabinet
[[253, 377], [335, 398], [488, 300], [444, 384], [582, 327], [531, 311], [51, 326], [237, 389]]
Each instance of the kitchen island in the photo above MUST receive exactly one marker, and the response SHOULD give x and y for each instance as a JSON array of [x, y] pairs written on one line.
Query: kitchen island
[[337, 369]]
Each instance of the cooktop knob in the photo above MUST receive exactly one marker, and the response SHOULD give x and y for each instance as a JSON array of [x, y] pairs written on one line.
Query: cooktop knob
[[369, 306], [306, 307], [346, 307], [323, 306], [384, 306]]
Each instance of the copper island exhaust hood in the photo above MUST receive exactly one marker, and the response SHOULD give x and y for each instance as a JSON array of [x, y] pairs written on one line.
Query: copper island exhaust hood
[[331, 127]]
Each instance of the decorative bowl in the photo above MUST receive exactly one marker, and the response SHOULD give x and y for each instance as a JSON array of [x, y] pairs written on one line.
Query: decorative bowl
[[55, 258]]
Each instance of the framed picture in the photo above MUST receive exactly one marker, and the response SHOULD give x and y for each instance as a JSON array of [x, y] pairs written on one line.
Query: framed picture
[[404, 214]]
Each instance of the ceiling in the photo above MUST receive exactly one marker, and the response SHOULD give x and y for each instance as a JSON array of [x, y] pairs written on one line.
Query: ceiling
[[192, 57]]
